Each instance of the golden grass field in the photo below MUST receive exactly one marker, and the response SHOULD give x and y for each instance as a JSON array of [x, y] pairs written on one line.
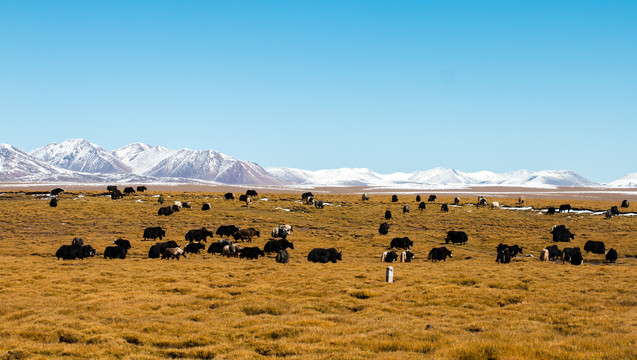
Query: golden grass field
[[209, 307]]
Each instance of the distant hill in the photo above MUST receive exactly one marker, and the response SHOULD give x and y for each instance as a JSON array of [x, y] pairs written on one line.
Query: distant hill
[[80, 161], [437, 177], [627, 181]]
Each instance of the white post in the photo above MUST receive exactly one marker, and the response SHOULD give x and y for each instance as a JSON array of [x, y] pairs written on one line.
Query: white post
[[389, 274]]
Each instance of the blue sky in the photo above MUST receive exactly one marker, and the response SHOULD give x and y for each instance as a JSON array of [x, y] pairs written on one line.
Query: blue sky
[[391, 86]]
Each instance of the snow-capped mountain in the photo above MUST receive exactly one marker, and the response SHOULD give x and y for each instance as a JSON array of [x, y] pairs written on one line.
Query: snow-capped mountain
[[81, 155], [81, 161], [210, 165], [141, 158], [145, 162], [626, 181], [436, 177], [16, 165]]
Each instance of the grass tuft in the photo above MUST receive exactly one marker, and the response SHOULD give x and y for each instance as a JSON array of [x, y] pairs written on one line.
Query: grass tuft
[[258, 310]]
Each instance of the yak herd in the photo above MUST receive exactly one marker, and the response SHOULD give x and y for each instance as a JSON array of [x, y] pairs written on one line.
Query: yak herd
[[279, 244]]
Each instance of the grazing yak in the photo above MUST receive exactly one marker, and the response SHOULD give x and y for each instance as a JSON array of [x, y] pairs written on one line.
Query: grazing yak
[[309, 200], [614, 210], [365, 197], [608, 214], [187, 205], [550, 211], [456, 237], [406, 256], [111, 188], [625, 204], [228, 196], [444, 208], [495, 205], [521, 200], [418, 198], [116, 195], [154, 233], [205, 206], [166, 210], [513, 250], [53, 202], [318, 204], [281, 231], [596, 247], [175, 208], [324, 255], [572, 255], [432, 198], [405, 209], [160, 200], [504, 256], [274, 246], [438, 254], [217, 247], [56, 191], [482, 201], [383, 229], [194, 248], [232, 250], [544, 255], [246, 234], [70, 252], [226, 230], [243, 198], [401, 243], [456, 201], [158, 249], [554, 252], [172, 253], [282, 257], [306, 195], [561, 234], [251, 253], [251, 193], [565, 207], [394, 198], [141, 188], [387, 215], [198, 235], [422, 205], [154, 252], [389, 256], [611, 255], [118, 251], [178, 205], [129, 190]]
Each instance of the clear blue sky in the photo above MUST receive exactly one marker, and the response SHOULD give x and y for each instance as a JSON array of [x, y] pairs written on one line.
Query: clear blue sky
[[391, 86]]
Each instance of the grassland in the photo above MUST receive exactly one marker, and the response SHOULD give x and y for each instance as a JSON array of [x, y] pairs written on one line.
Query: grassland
[[208, 307]]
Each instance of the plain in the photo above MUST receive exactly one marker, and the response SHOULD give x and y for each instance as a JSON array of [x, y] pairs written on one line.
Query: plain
[[205, 307]]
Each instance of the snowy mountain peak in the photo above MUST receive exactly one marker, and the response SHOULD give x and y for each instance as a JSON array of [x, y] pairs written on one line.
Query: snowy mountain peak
[[80, 155], [626, 181]]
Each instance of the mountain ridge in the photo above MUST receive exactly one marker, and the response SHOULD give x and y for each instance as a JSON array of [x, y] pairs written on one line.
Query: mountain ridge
[[77, 160]]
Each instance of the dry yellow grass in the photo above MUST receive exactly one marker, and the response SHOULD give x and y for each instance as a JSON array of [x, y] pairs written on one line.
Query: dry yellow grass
[[205, 307]]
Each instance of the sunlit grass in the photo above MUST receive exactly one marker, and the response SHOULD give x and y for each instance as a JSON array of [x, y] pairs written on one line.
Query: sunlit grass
[[205, 307]]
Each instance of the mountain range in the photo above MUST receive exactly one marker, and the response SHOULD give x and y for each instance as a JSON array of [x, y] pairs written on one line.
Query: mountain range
[[79, 161]]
